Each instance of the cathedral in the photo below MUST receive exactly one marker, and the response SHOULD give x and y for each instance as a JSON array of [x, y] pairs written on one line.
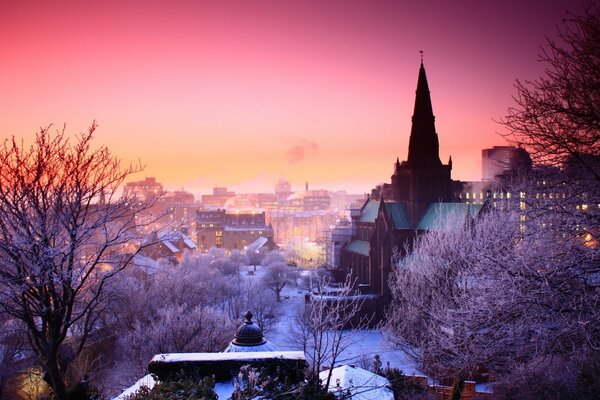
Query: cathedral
[[419, 195]]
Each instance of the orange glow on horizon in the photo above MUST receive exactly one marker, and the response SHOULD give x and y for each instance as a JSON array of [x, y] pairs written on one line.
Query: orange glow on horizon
[[239, 94]]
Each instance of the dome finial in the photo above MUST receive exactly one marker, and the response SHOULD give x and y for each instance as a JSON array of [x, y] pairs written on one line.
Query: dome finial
[[421, 53], [248, 317]]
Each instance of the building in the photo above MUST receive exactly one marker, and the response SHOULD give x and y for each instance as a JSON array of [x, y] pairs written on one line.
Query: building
[[314, 200], [217, 199], [232, 231], [283, 189], [144, 190], [500, 160], [418, 197], [171, 245], [338, 236]]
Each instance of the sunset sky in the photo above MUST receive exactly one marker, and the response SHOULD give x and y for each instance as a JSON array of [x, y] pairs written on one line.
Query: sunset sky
[[239, 93]]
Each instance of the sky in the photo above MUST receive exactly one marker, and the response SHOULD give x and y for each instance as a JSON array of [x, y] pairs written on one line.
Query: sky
[[241, 93]]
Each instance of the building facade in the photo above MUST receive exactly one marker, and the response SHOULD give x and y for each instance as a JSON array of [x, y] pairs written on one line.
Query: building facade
[[232, 231]]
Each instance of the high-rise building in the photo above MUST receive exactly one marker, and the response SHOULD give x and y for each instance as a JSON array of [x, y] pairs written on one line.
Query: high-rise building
[[495, 161]]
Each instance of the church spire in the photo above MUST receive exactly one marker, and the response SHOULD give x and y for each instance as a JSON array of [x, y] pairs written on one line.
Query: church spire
[[423, 148]]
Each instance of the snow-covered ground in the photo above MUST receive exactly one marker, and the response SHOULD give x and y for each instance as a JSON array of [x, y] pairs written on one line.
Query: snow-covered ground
[[366, 343]]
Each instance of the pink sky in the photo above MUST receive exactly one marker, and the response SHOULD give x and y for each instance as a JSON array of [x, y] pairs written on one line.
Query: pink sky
[[239, 93]]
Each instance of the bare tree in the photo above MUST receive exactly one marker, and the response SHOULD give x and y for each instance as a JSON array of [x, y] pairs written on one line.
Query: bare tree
[[329, 325], [63, 233], [557, 116]]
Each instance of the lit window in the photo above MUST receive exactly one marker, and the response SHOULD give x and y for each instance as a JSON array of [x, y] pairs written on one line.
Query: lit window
[[523, 218], [522, 205]]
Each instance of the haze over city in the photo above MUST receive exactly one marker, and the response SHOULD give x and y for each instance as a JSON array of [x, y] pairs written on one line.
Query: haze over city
[[240, 93]]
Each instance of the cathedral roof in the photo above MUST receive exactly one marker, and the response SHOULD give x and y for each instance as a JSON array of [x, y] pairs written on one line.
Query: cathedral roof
[[423, 148], [397, 213], [438, 213], [369, 211], [361, 247]]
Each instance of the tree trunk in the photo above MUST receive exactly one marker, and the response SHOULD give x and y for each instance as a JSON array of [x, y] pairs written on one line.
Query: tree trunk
[[457, 389], [54, 378]]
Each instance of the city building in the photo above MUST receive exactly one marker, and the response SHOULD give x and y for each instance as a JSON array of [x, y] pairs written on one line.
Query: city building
[[283, 189], [144, 190], [314, 200], [170, 245], [339, 235], [217, 199], [230, 230], [500, 160]]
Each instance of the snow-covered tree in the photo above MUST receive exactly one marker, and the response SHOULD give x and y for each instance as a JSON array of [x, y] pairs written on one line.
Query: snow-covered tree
[[496, 293], [63, 233], [277, 276], [178, 329], [273, 257]]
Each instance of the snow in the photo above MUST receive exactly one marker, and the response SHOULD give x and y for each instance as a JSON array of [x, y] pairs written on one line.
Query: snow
[[170, 246], [224, 390], [189, 242], [362, 384], [240, 356], [366, 343], [147, 381]]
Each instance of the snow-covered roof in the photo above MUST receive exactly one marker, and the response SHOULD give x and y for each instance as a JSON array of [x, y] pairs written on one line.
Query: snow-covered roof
[[189, 242], [257, 244], [147, 381], [170, 239], [362, 384], [246, 356], [170, 246]]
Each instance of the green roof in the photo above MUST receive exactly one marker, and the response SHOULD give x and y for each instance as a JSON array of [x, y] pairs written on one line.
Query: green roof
[[359, 246], [440, 212], [397, 213], [369, 211]]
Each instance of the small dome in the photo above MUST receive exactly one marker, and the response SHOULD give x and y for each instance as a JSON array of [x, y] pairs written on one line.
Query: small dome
[[249, 337], [249, 333]]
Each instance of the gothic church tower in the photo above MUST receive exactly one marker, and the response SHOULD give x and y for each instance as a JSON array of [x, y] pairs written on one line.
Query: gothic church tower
[[422, 179]]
